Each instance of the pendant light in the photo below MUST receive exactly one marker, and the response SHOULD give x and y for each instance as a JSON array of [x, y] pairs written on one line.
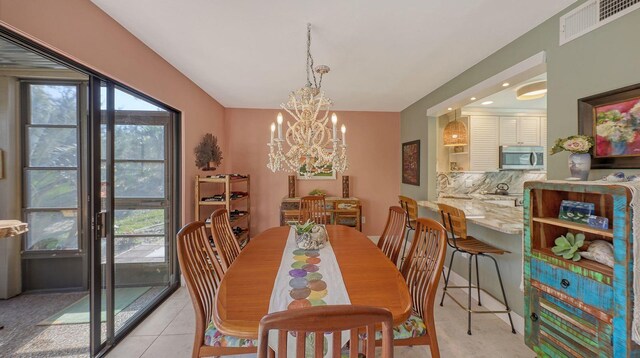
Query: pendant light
[[455, 133]]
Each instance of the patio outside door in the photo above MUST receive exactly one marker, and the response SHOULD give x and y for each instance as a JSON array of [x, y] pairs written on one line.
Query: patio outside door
[[134, 181]]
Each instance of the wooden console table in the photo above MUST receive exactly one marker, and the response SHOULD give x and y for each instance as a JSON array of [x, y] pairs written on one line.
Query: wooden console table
[[342, 211]]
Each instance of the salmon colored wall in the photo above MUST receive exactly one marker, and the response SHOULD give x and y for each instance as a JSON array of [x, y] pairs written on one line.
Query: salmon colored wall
[[374, 162], [83, 32]]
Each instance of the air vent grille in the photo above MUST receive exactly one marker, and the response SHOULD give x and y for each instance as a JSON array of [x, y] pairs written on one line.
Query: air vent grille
[[579, 21], [591, 15], [611, 7]]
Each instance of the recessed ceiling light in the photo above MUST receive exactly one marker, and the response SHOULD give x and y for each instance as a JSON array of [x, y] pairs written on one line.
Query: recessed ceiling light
[[449, 109], [486, 103], [473, 98], [506, 84]]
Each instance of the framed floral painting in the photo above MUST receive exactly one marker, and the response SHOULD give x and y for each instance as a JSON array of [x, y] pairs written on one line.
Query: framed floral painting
[[411, 162], [613, 120]]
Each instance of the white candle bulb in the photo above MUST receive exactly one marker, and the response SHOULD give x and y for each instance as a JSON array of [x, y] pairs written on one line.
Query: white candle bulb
[[280, 126], [334, 120], [344, 135], [273, 129]]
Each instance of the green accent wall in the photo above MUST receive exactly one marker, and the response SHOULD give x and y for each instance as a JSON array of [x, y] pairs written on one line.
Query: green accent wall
[[604, 59]]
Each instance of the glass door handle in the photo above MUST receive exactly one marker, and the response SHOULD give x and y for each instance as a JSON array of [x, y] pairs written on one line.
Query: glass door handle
[[101, 224]]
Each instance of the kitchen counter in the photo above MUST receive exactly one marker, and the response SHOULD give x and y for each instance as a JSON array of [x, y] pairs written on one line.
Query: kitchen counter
[[500, 218]]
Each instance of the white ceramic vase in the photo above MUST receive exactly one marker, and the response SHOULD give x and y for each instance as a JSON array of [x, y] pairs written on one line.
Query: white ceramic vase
[[579, 165]]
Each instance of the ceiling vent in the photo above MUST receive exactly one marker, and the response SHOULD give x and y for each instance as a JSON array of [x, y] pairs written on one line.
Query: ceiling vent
[[591, 15]]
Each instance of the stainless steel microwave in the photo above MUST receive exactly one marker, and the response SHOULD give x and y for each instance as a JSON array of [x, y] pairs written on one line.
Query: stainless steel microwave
[[521, 157]]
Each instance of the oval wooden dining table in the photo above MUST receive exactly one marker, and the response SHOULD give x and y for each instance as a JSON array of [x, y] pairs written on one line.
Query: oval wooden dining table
[[370, 278]]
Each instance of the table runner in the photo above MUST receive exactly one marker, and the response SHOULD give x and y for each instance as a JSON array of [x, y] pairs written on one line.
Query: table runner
[[307, 278]]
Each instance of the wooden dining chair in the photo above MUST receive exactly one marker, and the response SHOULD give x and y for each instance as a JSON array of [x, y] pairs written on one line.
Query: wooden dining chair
[[223, 238], [410, 207], [421, 271], [392, 237], [203, 274], [321, 320], [314, 208]]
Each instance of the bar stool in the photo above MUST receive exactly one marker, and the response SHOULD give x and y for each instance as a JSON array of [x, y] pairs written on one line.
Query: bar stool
[[455, 221], [410, 207]]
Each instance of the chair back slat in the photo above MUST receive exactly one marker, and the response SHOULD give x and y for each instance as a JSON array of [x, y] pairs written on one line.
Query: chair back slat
[[410, 205], [201, 271], [423, 265], [393, 235], [454, 220], [226, 243], [314, 208], [327, 319]]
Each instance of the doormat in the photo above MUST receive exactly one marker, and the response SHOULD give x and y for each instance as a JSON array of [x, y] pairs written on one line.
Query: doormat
[[78, 312]]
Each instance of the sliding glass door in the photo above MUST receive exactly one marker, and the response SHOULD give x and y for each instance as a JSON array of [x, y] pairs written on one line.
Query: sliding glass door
[[99, 188], [137, 210]]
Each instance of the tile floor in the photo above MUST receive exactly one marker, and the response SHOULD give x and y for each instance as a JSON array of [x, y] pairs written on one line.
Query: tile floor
[[168, 332]]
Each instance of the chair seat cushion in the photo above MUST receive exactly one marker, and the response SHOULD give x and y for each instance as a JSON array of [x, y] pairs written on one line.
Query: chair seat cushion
[[411, 328], [214, 338]]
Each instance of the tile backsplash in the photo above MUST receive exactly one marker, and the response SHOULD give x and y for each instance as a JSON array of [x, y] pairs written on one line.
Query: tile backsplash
[[485, 183]]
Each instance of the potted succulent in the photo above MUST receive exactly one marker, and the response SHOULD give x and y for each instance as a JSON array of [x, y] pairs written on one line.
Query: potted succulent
[[579, 159], [208, 153]]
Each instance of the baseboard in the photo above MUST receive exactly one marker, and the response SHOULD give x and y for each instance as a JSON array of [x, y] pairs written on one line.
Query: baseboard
[[374, 239], [488, 302]]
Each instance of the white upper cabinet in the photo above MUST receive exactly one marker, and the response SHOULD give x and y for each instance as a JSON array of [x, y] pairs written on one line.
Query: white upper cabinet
[[519, 131], [484, 143], [508, 130], [529, 130]]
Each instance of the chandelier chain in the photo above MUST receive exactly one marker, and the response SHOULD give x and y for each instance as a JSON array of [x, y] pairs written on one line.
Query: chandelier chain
[[310, 61]]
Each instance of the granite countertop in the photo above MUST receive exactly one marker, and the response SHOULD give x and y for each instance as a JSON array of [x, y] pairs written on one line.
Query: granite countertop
[[487, 196], [500, 218]]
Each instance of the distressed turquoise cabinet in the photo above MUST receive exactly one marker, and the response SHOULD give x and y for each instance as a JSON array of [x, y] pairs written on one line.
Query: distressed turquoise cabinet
[[583, 308]]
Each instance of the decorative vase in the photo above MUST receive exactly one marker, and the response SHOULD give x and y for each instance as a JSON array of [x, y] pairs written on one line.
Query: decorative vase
[[618, 147], [210, 167], [579, 165]]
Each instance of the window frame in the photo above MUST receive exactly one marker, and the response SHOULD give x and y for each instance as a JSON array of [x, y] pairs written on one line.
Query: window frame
[[25, 124]]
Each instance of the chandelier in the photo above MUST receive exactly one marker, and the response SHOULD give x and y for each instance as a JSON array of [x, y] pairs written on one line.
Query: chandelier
[[308, 147]]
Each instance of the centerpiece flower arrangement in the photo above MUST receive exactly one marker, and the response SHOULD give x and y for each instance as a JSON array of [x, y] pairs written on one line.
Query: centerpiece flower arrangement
[[311, 236], [579, 159]]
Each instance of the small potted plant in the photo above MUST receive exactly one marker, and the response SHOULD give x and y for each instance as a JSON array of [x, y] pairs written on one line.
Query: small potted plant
[[579, 159], [208, 153]]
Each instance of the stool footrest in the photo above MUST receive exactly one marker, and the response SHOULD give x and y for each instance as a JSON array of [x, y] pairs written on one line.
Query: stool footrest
[[470, 310]]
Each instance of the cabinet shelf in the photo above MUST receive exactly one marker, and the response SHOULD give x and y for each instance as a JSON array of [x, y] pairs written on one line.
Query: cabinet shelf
[[221, 180], [224, 202], [566, 297], [586, 264], [207, 186], [575, 226]]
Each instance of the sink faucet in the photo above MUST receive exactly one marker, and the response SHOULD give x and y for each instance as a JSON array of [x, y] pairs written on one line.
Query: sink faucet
[[439, 177]]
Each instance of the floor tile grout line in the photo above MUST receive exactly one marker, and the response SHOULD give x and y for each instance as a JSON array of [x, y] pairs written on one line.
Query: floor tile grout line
[[149, 346]]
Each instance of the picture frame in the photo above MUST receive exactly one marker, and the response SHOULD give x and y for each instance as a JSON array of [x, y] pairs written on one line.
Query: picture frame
[[411, 162], [1, 164], [319, 176], [613, 119]]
